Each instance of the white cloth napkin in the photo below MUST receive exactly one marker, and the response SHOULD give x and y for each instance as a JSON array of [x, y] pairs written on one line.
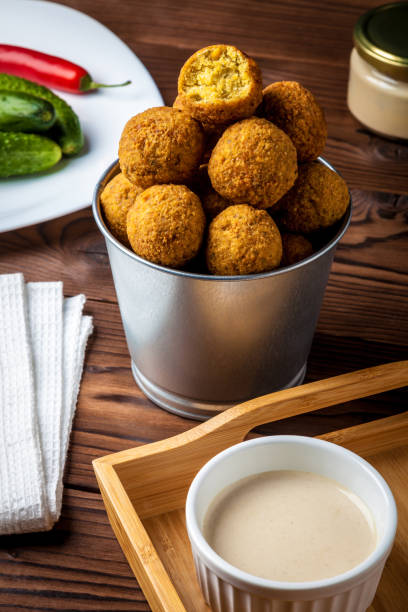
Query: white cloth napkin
[[42, 346], [72, 314], [45, 317], [22, 491]]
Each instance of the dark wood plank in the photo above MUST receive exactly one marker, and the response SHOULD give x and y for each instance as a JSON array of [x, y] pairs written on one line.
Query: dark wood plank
[[77, 566]]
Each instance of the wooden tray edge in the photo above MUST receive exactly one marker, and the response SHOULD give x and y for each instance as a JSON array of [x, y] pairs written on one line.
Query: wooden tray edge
[[136, 543]]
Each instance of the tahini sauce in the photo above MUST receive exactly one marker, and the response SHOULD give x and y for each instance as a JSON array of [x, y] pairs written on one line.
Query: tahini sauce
[[290, 526]]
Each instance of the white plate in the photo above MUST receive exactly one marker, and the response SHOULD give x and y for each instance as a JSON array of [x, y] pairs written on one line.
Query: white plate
[[67, 33]]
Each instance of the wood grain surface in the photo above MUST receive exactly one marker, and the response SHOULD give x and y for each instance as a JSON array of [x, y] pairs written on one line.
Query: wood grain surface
[[79, 566]]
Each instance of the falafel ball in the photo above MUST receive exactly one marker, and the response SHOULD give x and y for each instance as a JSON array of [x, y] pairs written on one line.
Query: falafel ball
[[243, 240], [213, 203], [116, 199], [294, 109], [166, 225], [295, 248], [212, 136], [160, 145], [318, 199], [253, 162], [219, 84]]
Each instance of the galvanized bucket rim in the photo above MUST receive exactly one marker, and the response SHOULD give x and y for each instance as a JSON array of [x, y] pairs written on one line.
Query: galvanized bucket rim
[[210, 277]]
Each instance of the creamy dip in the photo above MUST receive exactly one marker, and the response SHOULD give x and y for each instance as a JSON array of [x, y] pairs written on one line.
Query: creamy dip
[[290, 526], [376, 100]]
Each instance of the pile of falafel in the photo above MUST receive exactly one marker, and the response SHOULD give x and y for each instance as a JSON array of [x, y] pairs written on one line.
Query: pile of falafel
[[229, 172]]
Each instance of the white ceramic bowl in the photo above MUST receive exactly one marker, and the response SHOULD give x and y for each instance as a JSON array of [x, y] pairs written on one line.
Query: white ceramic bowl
[[228, 589]]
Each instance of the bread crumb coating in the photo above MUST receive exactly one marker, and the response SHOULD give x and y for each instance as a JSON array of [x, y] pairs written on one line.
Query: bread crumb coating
[[159, 146], [318, 199], [253, 162], [166, 225], [213, 203], [294, 109], [295, 248], [116, 199], [243, 240]]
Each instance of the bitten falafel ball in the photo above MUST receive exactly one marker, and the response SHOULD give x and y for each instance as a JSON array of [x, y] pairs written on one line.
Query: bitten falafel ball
[[295, 248], [116, 199], [243, 240], [294, 109], [166, 225], [159, 146], [318, 199], [219, 84], [253, 162]]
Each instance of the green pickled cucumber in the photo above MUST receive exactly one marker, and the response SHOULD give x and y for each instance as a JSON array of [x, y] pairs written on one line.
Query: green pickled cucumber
[[22, 112], [26, 153], [69, 133]]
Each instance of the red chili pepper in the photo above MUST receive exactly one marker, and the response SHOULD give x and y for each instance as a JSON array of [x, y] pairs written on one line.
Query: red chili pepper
[[47, 70]]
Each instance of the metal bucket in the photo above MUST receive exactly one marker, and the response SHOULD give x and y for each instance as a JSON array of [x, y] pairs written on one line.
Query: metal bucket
[[201, 343]]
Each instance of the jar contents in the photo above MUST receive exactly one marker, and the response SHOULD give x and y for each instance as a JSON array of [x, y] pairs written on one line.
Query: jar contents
[[377, 100], [378, 81], [290, 526]]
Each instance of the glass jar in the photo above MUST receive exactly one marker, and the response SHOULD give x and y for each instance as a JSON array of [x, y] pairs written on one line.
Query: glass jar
[[378, 80]]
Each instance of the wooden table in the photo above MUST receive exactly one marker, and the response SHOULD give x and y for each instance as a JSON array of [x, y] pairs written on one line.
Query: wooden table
[[79, 566]]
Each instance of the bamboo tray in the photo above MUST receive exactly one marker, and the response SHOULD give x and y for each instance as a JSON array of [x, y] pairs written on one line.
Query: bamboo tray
[[144, 488]]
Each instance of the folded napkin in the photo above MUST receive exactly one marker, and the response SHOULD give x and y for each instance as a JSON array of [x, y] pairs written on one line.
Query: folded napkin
[[42, 346], [45, 318], [22, 492]]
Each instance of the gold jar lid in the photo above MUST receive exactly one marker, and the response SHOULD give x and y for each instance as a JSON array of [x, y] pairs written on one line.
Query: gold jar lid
[[381, 38]]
